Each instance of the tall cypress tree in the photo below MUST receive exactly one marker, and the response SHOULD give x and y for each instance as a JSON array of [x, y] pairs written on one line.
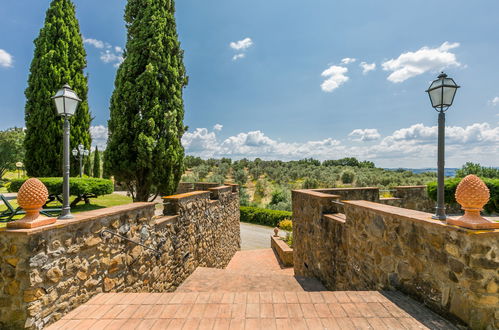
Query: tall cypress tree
[[97, 166], [59, 58], [144, 150]]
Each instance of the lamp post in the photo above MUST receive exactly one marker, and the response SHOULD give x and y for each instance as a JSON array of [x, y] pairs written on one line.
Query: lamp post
[[66, 101], [441, 92], [79, 154]]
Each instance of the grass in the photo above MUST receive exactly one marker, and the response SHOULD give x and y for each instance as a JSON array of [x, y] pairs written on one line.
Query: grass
[[95, 203]]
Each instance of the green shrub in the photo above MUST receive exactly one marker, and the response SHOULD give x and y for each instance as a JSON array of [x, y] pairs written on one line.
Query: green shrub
[[77, 186], [289, 239], [347, 176], [263, 216], [286, 225], [450, 191]]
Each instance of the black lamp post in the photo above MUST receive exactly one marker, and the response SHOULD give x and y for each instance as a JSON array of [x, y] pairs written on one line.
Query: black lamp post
[[66, 101], [79, 154], [441, 92]]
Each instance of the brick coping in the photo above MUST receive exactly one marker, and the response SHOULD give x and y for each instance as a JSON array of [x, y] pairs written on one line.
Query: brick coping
[[80, 218]]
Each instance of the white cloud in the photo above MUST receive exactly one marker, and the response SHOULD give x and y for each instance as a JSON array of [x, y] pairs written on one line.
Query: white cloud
[[6, 59], [495, 101], [218, 127], [364, 135], [411, 64], [348, 60], [335, 78], [110, 57], [238, 56], [241, 45], [94, 42], [118, 49], [366, 67], [99, 135]]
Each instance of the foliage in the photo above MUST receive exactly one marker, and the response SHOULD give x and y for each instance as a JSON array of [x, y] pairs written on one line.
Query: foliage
[[310, 183], [263, 216], [478, 170], [244, 198], [87, 166], [450, 192], [97, 166], [347, 176], [146, 124], [289, 239], [11, 149], [77, 186], [59, 58], [286, 225], [280, 200]]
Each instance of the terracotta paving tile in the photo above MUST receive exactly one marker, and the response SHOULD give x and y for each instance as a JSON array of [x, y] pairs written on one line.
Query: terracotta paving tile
[[299, 324], [98, 299], [161, 324], [203, 298], [57, 325], [341, 296], [372, 296], [268, 324], [191, 324], [240, 298], [252, 311], [164, 298], [107, 297], [176, 324], [211, 311], [141, 311], [278, 297], [379, 310], [360, 323], [283, 324], [169, 311], [117, 298], [392, 323], [314, 323], [376, 323], [87, 313], [224, 312], [329, 297], [216, 297], [266, 311], [114, 312], [365, 310], [322, 310], [70, 324], [303, 297], [253, 324], [337, 310], [75, 312], [330, 324], [146, 324], [228, 298], [308, 310], [151, 299], [237, 324], [183, 311], [221, 324], [138, 299], [265, 297], [354, 296], [197, 311], [253, 298], [155, 312], [238, 311], [316, 297], [206, 324], [99, 313], [295, 311], [394, 310], [177, 298], [281, 311], [131, 324], [190, 298], [291, 297], [115, 324], [127, 312], [345, 323], [351, 310], [100, 324]]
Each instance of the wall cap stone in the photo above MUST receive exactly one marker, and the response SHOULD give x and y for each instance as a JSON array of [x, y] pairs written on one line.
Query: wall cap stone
[[337, 217], [410, 187], [188, 195], [316, 193], [165, 218]]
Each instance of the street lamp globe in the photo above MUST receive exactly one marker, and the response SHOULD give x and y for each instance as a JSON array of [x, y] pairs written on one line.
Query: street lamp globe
[[75, 152], [442, 92], [66, 101]]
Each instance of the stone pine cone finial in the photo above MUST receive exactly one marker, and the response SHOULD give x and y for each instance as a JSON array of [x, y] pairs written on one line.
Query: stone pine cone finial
[[31, 197], [472, 194]]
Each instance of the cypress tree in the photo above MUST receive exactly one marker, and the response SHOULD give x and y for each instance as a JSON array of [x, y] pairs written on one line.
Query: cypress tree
[[87, 166], [144, 150], [59, 58], [97, 167]]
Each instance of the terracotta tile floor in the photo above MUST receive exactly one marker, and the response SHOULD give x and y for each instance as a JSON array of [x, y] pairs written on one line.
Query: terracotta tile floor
[[252, 293]]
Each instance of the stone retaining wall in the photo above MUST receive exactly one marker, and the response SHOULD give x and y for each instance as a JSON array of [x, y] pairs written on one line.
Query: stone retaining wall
[[379, 247], [48, 271]]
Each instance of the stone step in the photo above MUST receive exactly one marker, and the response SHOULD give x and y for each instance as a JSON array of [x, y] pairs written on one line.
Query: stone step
[[262, 261]]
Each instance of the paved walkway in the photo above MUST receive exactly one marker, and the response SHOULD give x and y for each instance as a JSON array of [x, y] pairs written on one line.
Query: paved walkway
[[255, 236], [253, 292]]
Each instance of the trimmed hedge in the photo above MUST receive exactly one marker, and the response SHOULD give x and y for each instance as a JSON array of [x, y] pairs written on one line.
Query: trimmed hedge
[[450, 191], [77, 186], [263, 216]]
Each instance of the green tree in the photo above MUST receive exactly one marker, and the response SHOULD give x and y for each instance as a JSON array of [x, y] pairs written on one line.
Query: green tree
[[59, 58], [97, 166], [11, 149], [87, 165], [146, 123]]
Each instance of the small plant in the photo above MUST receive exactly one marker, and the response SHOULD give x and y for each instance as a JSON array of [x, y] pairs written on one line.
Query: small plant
[[286, 225], [347, 176], [289, 239]]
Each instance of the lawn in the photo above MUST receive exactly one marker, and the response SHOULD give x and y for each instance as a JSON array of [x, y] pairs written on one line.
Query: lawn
[[96, 203]]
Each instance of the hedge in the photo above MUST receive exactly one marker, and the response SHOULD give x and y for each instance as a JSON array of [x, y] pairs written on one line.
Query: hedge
[[263, 216], [450, 190], [77, 186]]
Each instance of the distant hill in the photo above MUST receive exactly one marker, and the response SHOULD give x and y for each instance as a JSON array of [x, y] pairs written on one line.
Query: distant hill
[[448, 171]]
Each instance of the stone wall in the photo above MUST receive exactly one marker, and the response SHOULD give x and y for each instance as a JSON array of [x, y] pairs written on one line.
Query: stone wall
[[361, 193], [46, 272], [379, 247]]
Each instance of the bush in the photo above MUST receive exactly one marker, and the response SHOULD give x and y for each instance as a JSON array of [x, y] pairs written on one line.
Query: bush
[[450, 192], [263, 216], [347, 176], [286, 225], [77, 186]]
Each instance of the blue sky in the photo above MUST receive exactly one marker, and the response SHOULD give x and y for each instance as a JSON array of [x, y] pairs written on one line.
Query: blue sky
[[287, 79]]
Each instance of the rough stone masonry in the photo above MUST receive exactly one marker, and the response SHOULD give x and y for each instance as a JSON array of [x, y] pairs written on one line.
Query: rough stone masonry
[[48, 271]]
